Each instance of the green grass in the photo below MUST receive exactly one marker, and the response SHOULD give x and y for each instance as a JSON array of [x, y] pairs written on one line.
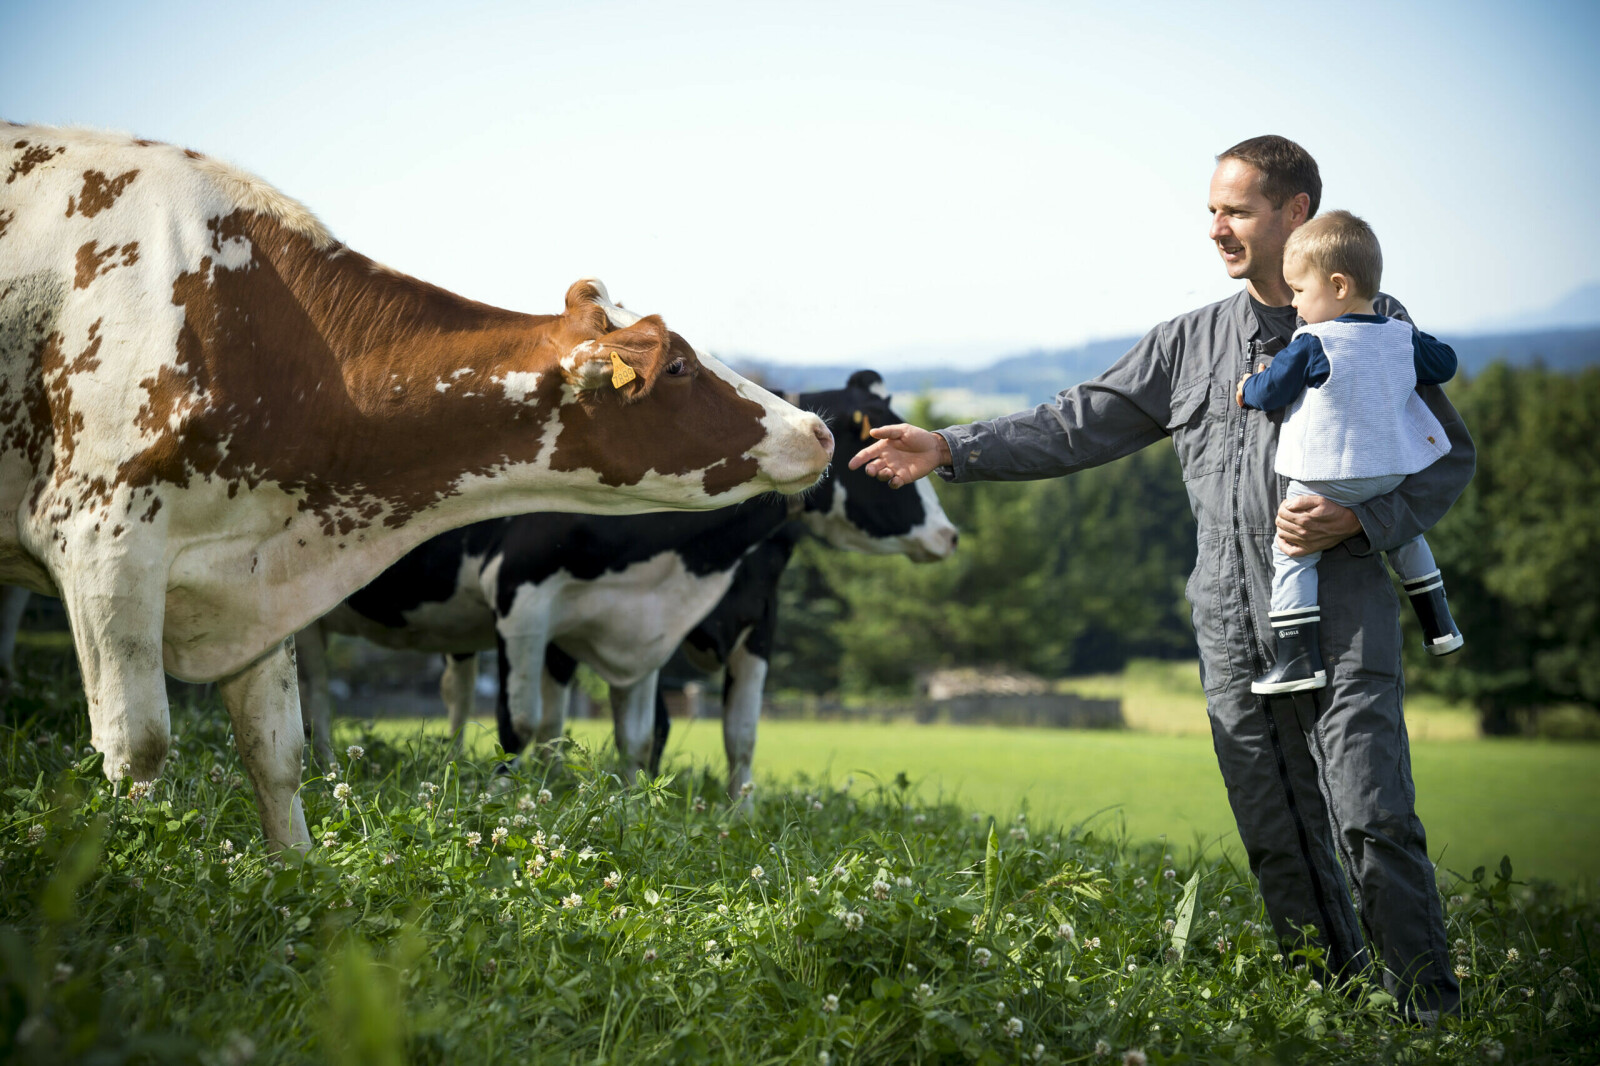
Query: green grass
[[1479, 799], [448, 915]]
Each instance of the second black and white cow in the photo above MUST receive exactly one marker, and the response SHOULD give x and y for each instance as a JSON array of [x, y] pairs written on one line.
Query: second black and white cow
[[619, 593]]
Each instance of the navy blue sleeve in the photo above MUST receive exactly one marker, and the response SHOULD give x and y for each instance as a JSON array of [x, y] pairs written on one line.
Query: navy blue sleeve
[[1301, 366], [1436, 360]]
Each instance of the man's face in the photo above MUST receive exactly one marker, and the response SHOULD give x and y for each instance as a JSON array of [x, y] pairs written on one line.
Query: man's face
[[1248, 231]]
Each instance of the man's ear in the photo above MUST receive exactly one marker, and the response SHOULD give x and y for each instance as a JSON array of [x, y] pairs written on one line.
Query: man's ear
[[1299, 208]]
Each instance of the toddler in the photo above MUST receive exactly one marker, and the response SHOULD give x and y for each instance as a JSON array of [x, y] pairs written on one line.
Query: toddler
[[1354, 429]]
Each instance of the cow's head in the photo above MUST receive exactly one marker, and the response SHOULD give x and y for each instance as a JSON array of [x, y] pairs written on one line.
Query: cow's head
[[859, 513], [640, 400]]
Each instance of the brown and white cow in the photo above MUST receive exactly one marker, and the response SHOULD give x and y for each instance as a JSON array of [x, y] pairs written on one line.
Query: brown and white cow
[[217, 422]]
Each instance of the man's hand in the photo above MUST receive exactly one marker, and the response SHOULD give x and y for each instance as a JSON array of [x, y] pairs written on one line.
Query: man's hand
[[1312, 524], [902, 454]]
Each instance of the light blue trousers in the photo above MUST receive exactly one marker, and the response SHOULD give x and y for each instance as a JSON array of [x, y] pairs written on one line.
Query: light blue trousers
[[1294, 578]]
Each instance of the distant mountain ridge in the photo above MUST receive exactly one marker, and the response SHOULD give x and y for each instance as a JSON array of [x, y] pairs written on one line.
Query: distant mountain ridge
[[1036, 376]]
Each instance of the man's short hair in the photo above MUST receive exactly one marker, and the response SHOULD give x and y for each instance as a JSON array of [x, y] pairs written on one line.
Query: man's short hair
[[1339, 243], [1286, 169]]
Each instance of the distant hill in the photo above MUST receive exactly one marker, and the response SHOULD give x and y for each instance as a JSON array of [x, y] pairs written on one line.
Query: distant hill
[[1036, 376]]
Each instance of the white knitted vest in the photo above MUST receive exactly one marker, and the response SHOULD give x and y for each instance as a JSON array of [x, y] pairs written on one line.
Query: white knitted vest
[[1366, 420]]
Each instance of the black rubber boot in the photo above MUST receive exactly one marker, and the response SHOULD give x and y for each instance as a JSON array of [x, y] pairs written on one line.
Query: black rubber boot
[[1299, 662], [1439, 633]]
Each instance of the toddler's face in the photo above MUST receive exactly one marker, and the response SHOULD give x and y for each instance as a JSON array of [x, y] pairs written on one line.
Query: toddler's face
[[1317, 296]]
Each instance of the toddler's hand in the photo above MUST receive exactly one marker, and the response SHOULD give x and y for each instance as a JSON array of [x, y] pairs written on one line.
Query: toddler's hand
[[1238, 393]]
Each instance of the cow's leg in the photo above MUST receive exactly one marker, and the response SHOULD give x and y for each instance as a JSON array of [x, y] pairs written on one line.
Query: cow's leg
[[13, 601], [115, 606], [316, 708], [555, 693], [263, 701], [633, 710], [742, 688], [520, 709], [458, 687], [661, 730]]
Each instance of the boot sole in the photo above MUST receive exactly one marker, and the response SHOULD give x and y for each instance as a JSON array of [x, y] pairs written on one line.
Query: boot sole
[[1447, 645], [1278, 688]]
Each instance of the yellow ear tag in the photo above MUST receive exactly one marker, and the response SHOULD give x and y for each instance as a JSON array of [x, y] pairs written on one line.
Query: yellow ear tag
[[621, 373], [866, 428]]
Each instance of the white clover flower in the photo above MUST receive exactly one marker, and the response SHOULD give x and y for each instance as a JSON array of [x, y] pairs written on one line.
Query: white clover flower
[[1038, 1052], [649, 955], [711, 946], [341, 792], [1093, 943], [619, 912], [830, 1003], [924, 990], [499, 835], [36, 834], [332, 774], [1463, 971], [595, 820], [903, 881], [330, 838], [1493, 1050], [1168, 926], [1134, 1057], [389, 858], [1169, 873], [283, 912], [1221, 944], [1013, 1027], [545, 796], [1101, 1049], [559, 851], [824, 1059], [983, 957], [612, 880], [227, 847], [1226, 900], [354, 752], [1512, 954], [535, 865], [216, 773], [63, 971], [722, 909], [757, 873], [841, 874], [1313, 986], [474, 838], [880, 890], [816, 805], [1064, 931], [571, 901], [853, 921], [1133, 967], [747, 788], [699, 804], [141, 790]]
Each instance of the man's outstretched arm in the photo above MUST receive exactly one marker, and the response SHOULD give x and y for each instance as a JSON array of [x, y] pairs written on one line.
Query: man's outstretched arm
[[1124, 409]]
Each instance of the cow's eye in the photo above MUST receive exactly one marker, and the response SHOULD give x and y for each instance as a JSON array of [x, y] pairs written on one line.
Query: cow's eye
[[677, 368]]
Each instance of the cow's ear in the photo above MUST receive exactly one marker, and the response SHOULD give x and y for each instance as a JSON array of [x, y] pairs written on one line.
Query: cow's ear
[[626, 360]]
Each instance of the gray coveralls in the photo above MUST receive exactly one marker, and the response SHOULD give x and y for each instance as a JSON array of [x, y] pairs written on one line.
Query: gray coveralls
[[1316, 778]]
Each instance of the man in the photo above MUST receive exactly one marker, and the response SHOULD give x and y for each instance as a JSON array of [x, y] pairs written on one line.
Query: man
[[1315, 778]]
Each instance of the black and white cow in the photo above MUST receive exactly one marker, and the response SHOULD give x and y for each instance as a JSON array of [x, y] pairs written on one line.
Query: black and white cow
[[617, 592]]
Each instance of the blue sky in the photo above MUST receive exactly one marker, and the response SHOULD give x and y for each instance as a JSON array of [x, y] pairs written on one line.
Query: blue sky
[[858, 182]]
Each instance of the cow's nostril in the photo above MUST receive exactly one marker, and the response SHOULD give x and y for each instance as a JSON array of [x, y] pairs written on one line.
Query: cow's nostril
[[820, 431]]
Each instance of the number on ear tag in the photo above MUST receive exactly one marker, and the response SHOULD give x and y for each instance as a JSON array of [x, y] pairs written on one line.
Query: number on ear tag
[[621, 373]]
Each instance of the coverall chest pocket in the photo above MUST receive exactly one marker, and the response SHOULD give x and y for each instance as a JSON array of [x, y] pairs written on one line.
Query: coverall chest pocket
[[1199, 427]]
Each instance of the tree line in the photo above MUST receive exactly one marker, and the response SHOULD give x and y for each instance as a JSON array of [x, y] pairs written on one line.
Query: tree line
[[1079, 574]]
